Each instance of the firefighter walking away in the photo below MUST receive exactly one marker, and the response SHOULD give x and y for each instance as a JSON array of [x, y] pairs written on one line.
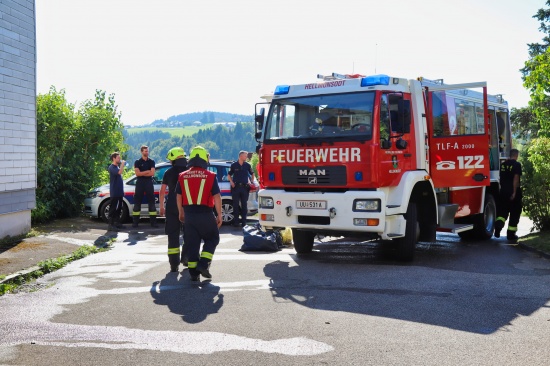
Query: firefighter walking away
[[173, 225], [197, 194]]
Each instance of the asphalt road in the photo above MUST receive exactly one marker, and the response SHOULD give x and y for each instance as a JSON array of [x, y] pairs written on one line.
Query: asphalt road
[[347, 303]]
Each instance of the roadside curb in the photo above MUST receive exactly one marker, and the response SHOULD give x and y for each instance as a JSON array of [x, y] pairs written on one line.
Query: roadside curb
[[22, 273], [534, 250]]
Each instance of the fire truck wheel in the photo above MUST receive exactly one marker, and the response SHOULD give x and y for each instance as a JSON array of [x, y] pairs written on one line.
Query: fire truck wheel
[[406, 245], [303, 241], [484, 224]]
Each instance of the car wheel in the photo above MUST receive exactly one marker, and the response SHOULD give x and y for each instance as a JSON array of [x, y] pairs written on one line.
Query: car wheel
[[227, 212], [105, 209]]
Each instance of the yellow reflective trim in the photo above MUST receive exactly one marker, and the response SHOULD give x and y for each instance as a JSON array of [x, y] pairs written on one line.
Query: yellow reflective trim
[[199, 196], [207, 255], [152, 213], [500, 218], [512, 228], [173, 250], [192, 264], [187, 192], [136, 213]]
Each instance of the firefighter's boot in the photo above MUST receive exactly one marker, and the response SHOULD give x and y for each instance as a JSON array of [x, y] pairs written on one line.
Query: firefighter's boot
[[135, 221], [499, 224], [153, 220], [203, 267], [511, 235]]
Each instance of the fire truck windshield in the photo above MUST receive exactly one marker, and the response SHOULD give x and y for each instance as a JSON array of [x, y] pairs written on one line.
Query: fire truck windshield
[[339, 116]]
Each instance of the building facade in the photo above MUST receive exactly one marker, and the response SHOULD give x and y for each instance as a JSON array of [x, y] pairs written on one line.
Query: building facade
[[17, 116]]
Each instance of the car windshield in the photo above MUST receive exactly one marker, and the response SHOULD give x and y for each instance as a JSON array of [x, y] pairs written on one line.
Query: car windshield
[[321, 116]]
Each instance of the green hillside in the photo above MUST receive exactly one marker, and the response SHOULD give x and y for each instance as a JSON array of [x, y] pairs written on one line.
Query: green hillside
[[173, 131]]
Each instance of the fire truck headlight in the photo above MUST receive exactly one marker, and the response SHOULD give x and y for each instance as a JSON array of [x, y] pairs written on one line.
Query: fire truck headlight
[[266, 202], [366, 205]]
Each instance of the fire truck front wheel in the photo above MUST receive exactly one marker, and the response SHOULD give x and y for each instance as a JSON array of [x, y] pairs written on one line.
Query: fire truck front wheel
[[406, 245], [303, 241]]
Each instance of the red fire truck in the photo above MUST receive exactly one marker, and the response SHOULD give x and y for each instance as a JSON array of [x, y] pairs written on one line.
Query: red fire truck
[[381, 157]]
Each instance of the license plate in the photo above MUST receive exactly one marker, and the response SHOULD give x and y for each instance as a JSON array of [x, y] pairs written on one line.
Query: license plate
[[319, 205]]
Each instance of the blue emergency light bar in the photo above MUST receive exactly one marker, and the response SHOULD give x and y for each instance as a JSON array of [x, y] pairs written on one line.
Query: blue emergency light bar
[[375, 80], [282, 89]]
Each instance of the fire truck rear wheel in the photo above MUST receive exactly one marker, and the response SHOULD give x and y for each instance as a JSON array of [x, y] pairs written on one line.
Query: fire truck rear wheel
[[484, 224], [303, 241], [406, 245]]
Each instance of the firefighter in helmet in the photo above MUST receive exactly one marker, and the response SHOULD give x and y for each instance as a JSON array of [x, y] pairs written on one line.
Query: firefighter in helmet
[[197, 193], [173, 227]]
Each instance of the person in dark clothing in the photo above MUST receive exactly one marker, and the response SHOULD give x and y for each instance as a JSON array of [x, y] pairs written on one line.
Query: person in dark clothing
[[173, 226], [145, 170], [197, 193], [239, 176], [116, 191], [510, 196]]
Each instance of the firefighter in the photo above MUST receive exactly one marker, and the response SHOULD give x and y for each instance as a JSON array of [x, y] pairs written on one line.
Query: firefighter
[[197, 193], [145, 170], [173, 225], [510, 196]]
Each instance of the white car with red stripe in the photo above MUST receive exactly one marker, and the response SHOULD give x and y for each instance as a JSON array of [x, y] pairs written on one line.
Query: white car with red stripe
[[96, 204]]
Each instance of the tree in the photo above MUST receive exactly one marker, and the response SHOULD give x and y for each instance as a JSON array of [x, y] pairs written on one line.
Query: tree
[[533, 126], [73, 150]]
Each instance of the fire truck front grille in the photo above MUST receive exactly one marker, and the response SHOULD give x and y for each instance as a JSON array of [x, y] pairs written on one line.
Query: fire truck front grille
[[314, 220], [318, 176]]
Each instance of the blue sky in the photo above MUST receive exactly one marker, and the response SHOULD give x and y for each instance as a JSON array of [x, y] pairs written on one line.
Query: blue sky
[[167, 57]]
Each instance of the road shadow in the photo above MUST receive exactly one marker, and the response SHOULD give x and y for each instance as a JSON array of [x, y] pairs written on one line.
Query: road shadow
[[479, 288], [193, 302]]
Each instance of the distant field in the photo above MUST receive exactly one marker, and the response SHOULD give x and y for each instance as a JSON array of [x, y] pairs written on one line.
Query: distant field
[[174, 131]]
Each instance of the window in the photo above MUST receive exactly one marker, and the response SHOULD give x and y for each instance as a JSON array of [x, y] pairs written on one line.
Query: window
[[324, 116], [454, 116], [159, 173]]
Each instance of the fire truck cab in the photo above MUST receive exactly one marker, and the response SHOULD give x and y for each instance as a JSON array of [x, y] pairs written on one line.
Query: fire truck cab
[[381, 157]]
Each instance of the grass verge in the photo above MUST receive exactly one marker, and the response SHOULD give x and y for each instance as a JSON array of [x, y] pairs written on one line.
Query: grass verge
[[539, 241], [48, 266]]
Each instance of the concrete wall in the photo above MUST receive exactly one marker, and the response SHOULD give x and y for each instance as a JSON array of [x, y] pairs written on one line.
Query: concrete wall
[[17, 115]]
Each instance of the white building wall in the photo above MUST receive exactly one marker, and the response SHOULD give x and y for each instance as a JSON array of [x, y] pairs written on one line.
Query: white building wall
[[17, 115]]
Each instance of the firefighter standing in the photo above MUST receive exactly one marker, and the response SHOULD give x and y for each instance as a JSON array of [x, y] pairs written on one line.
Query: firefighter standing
[[197, 193], [172, 227], [145, 170], [510, 196]]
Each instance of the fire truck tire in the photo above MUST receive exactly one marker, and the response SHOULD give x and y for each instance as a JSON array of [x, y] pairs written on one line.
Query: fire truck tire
[[406, 245], [484, 224], [303, 241]]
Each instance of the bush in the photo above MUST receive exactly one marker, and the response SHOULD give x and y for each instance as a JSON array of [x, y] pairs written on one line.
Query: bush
[[536, 182]]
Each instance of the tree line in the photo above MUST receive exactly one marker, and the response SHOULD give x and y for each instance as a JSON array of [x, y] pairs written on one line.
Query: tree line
[[220, 141]]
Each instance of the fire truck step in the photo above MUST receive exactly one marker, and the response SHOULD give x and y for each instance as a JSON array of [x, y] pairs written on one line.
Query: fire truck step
[[455, 228]]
